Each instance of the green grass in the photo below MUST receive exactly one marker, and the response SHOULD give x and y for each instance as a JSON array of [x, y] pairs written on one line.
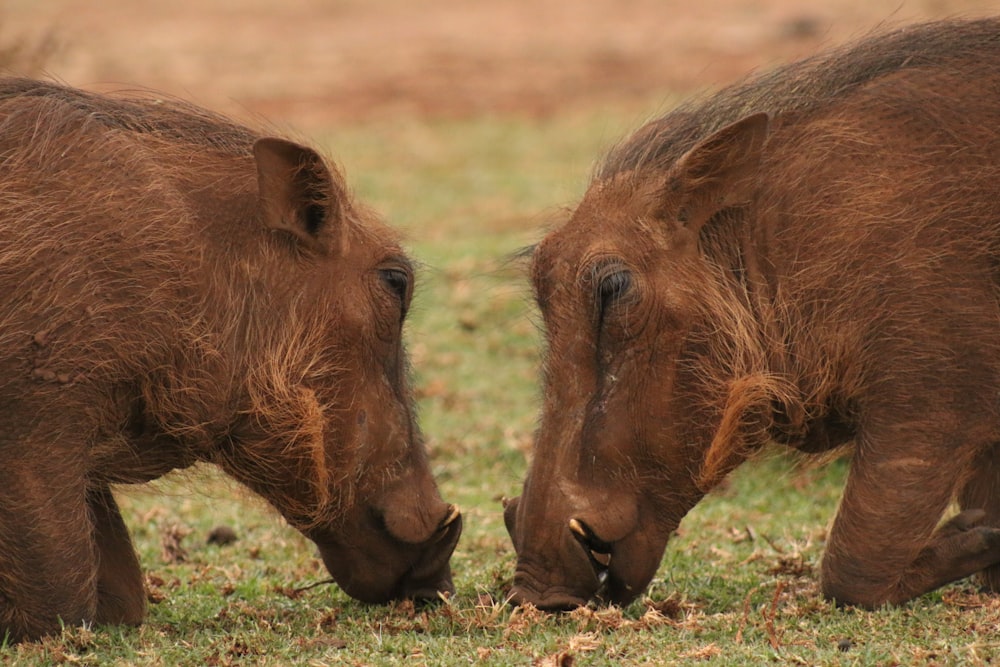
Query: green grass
[[737, 585]]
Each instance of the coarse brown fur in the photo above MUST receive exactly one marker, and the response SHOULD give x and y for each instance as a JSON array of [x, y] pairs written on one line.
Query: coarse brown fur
[[179, 289], [809, 257]]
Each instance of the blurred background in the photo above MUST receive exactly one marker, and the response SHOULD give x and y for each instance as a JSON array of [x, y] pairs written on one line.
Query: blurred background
[[472, 126], [309, 63]]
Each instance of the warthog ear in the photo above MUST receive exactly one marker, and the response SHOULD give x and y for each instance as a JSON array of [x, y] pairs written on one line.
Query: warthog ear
[[719, 171], [298, 195]]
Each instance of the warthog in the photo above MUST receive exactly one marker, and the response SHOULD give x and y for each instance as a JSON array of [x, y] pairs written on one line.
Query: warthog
[[810, 257], [178, 289]]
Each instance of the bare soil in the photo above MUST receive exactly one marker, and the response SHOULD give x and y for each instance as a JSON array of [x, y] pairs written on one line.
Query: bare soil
[[310, 63]]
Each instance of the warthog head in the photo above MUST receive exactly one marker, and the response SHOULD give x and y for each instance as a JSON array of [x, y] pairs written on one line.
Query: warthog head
[[630, 307], [330, 437]]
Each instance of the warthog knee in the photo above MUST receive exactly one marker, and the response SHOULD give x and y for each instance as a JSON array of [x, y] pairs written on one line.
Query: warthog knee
[[847, 590], [127, 609], [18, 626], [851, 596]]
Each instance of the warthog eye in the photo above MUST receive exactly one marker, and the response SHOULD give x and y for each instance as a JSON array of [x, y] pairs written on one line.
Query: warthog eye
[[613, 286], [398, 282]]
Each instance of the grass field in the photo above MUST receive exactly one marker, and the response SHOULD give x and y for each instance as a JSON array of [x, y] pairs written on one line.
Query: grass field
[[737, 585]]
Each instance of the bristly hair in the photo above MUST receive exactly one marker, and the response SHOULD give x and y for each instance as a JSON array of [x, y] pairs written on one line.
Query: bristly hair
[[799, 87], [217, 346], [521, 254], [141, 112]]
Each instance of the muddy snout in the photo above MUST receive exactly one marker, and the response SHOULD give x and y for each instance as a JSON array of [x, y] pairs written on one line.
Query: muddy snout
[[430, 576], [562, 564], [571, 570], [374, 565]]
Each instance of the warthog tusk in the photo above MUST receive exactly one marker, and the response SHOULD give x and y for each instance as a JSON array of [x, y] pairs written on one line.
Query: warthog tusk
[[453, 514], [602, 576], [602, 558]]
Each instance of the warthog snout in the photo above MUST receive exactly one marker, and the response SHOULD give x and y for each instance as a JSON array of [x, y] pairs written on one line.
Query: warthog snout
[[605, 556], [393, 554]]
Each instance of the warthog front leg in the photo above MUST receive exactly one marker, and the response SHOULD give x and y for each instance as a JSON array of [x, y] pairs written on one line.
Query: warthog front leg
[[48, 564], [121, 597], [885, 546], [983, 492]]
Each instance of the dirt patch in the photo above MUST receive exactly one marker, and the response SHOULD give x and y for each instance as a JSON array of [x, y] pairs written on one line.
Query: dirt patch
[[310, 63]]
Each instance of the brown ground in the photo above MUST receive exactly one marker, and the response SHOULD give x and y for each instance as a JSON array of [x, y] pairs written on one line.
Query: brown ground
[[307, 63]]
